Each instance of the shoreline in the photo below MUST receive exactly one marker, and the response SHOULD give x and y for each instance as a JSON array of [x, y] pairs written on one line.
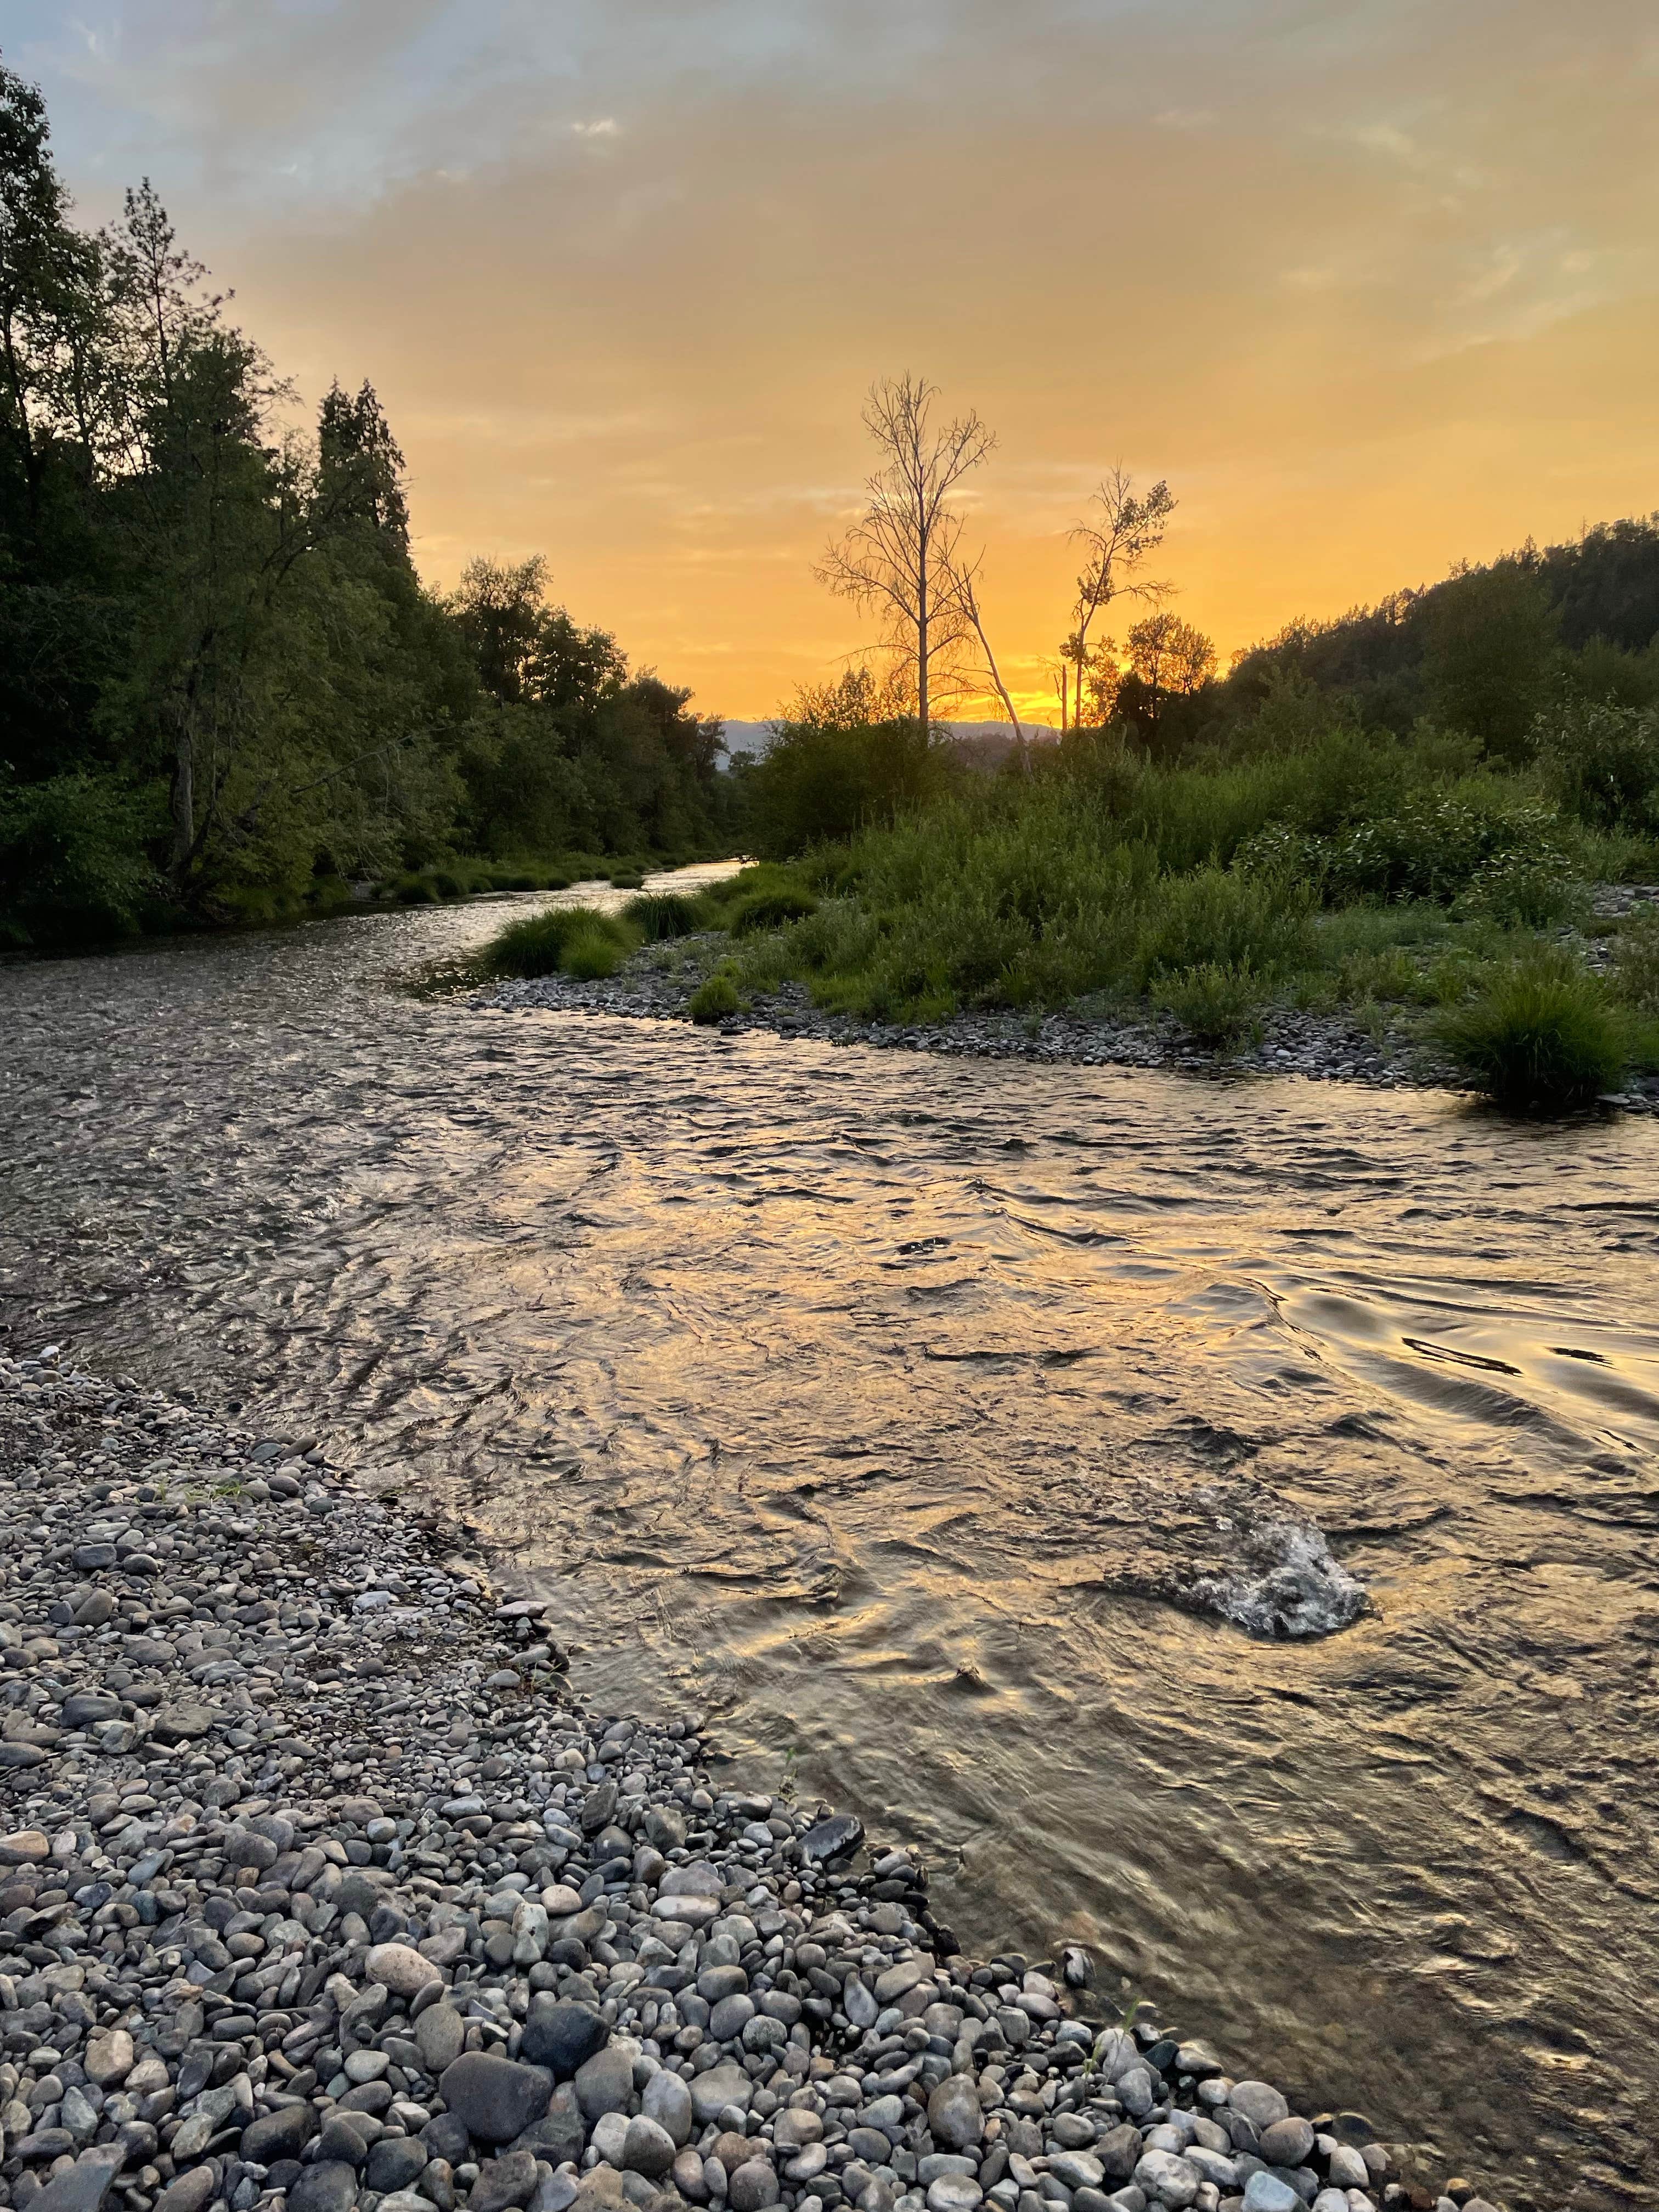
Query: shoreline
[[1319, 1049], [321, 1887]]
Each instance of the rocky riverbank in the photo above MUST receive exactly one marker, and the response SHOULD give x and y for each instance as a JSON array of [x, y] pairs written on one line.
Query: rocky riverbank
[[321, 1889], [658, 982]]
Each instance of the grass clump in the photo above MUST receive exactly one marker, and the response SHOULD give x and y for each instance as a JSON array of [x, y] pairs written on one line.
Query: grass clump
[[665, 915], [1542, 1035], [556, 942], [770, 909], [714, 998], [1216, 1002], [1636, 961], [591, 954]]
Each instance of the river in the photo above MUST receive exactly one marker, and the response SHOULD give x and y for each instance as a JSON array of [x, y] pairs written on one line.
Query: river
[[878, 1405]]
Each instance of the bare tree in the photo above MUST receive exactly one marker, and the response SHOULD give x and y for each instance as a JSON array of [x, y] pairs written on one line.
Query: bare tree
[[964, 578], [899, 557], [1121, 533]]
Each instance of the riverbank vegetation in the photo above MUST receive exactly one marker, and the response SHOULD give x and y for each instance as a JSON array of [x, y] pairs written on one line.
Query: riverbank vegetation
[[1415, 884], [1319, 841], [1405, 816], [225, 692]]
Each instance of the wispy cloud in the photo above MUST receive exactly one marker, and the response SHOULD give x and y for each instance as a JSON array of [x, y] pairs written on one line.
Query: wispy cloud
[[1373, 287]]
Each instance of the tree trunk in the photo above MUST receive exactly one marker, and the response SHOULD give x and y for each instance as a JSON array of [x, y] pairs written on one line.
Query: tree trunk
[[921, 648]]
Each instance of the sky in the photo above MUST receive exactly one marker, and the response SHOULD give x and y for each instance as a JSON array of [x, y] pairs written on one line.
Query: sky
[[1374, 285]]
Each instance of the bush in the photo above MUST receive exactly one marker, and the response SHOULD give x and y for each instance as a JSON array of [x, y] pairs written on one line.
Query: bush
[[1636, 961], [1436, 845], [73, 866], [1602, 761], [1221, 919], [714, 998], [538, 944], [769, 909], [1542, 1035], [1527, 890], [822, 780], [665, 915], [1217, 1002]]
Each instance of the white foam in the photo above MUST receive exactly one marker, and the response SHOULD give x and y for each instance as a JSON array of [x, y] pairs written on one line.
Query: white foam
[[1285, 1582]]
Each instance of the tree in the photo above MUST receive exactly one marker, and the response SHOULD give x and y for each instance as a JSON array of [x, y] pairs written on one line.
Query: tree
[[1124, 529], [901, 556], [1168, 659], [360, 464], [844, 756], [1490, 646], [49, 293], [220, 677]]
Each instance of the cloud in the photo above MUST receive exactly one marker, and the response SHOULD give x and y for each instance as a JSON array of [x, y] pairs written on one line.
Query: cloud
[[1373, 287]]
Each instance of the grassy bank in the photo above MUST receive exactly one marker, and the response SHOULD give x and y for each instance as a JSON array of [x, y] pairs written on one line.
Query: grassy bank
[[1400, 886]]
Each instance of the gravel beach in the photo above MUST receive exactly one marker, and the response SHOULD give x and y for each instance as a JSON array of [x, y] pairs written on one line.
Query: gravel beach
[[321, 1888]]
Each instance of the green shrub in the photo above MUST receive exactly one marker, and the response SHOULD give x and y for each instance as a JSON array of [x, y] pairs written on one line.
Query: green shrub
[[628, 879], [73, 864], [536, 945], [1221, 918], [821, 778], [1391, 976], [1219, 1004], [1540, 1036], [665, 914], [1602, 761], [767, 910], [1636, 961], [1436, 845], [714, 998], [1529, 891]]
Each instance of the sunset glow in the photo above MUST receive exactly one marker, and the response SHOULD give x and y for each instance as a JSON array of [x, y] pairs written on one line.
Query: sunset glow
[[1374, 288]]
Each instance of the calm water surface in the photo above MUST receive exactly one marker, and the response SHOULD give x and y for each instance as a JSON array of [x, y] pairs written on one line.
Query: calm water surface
[[869, 1401]]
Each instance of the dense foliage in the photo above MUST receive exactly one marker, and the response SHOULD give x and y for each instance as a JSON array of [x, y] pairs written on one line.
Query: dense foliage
[[1295, 856], [224, 686]]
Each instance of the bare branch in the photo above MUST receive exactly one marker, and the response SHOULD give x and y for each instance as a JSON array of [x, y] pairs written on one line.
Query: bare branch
[[899, 557], [964, 589], [1123, 532]]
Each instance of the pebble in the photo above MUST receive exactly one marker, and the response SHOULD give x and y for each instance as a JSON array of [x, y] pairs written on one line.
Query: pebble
[[308, 1904]]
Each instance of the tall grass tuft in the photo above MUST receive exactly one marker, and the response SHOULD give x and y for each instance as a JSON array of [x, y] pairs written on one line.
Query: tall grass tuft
[[593, 952], [1636, 961], [714, 998], [1217, 1003], [1540, 1037], [545, 944], [663, 915]]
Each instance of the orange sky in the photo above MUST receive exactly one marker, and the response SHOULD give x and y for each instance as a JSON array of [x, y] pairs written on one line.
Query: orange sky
[[1374, 285]]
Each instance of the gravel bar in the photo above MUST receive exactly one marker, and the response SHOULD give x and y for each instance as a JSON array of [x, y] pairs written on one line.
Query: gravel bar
[[1318, 1047], [321, 1889]]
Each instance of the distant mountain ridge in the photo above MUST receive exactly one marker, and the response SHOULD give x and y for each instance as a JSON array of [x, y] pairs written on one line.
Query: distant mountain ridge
[[751, 739]]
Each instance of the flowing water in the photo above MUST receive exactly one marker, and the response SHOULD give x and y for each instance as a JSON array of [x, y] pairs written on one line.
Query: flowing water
[[936, 1426]]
